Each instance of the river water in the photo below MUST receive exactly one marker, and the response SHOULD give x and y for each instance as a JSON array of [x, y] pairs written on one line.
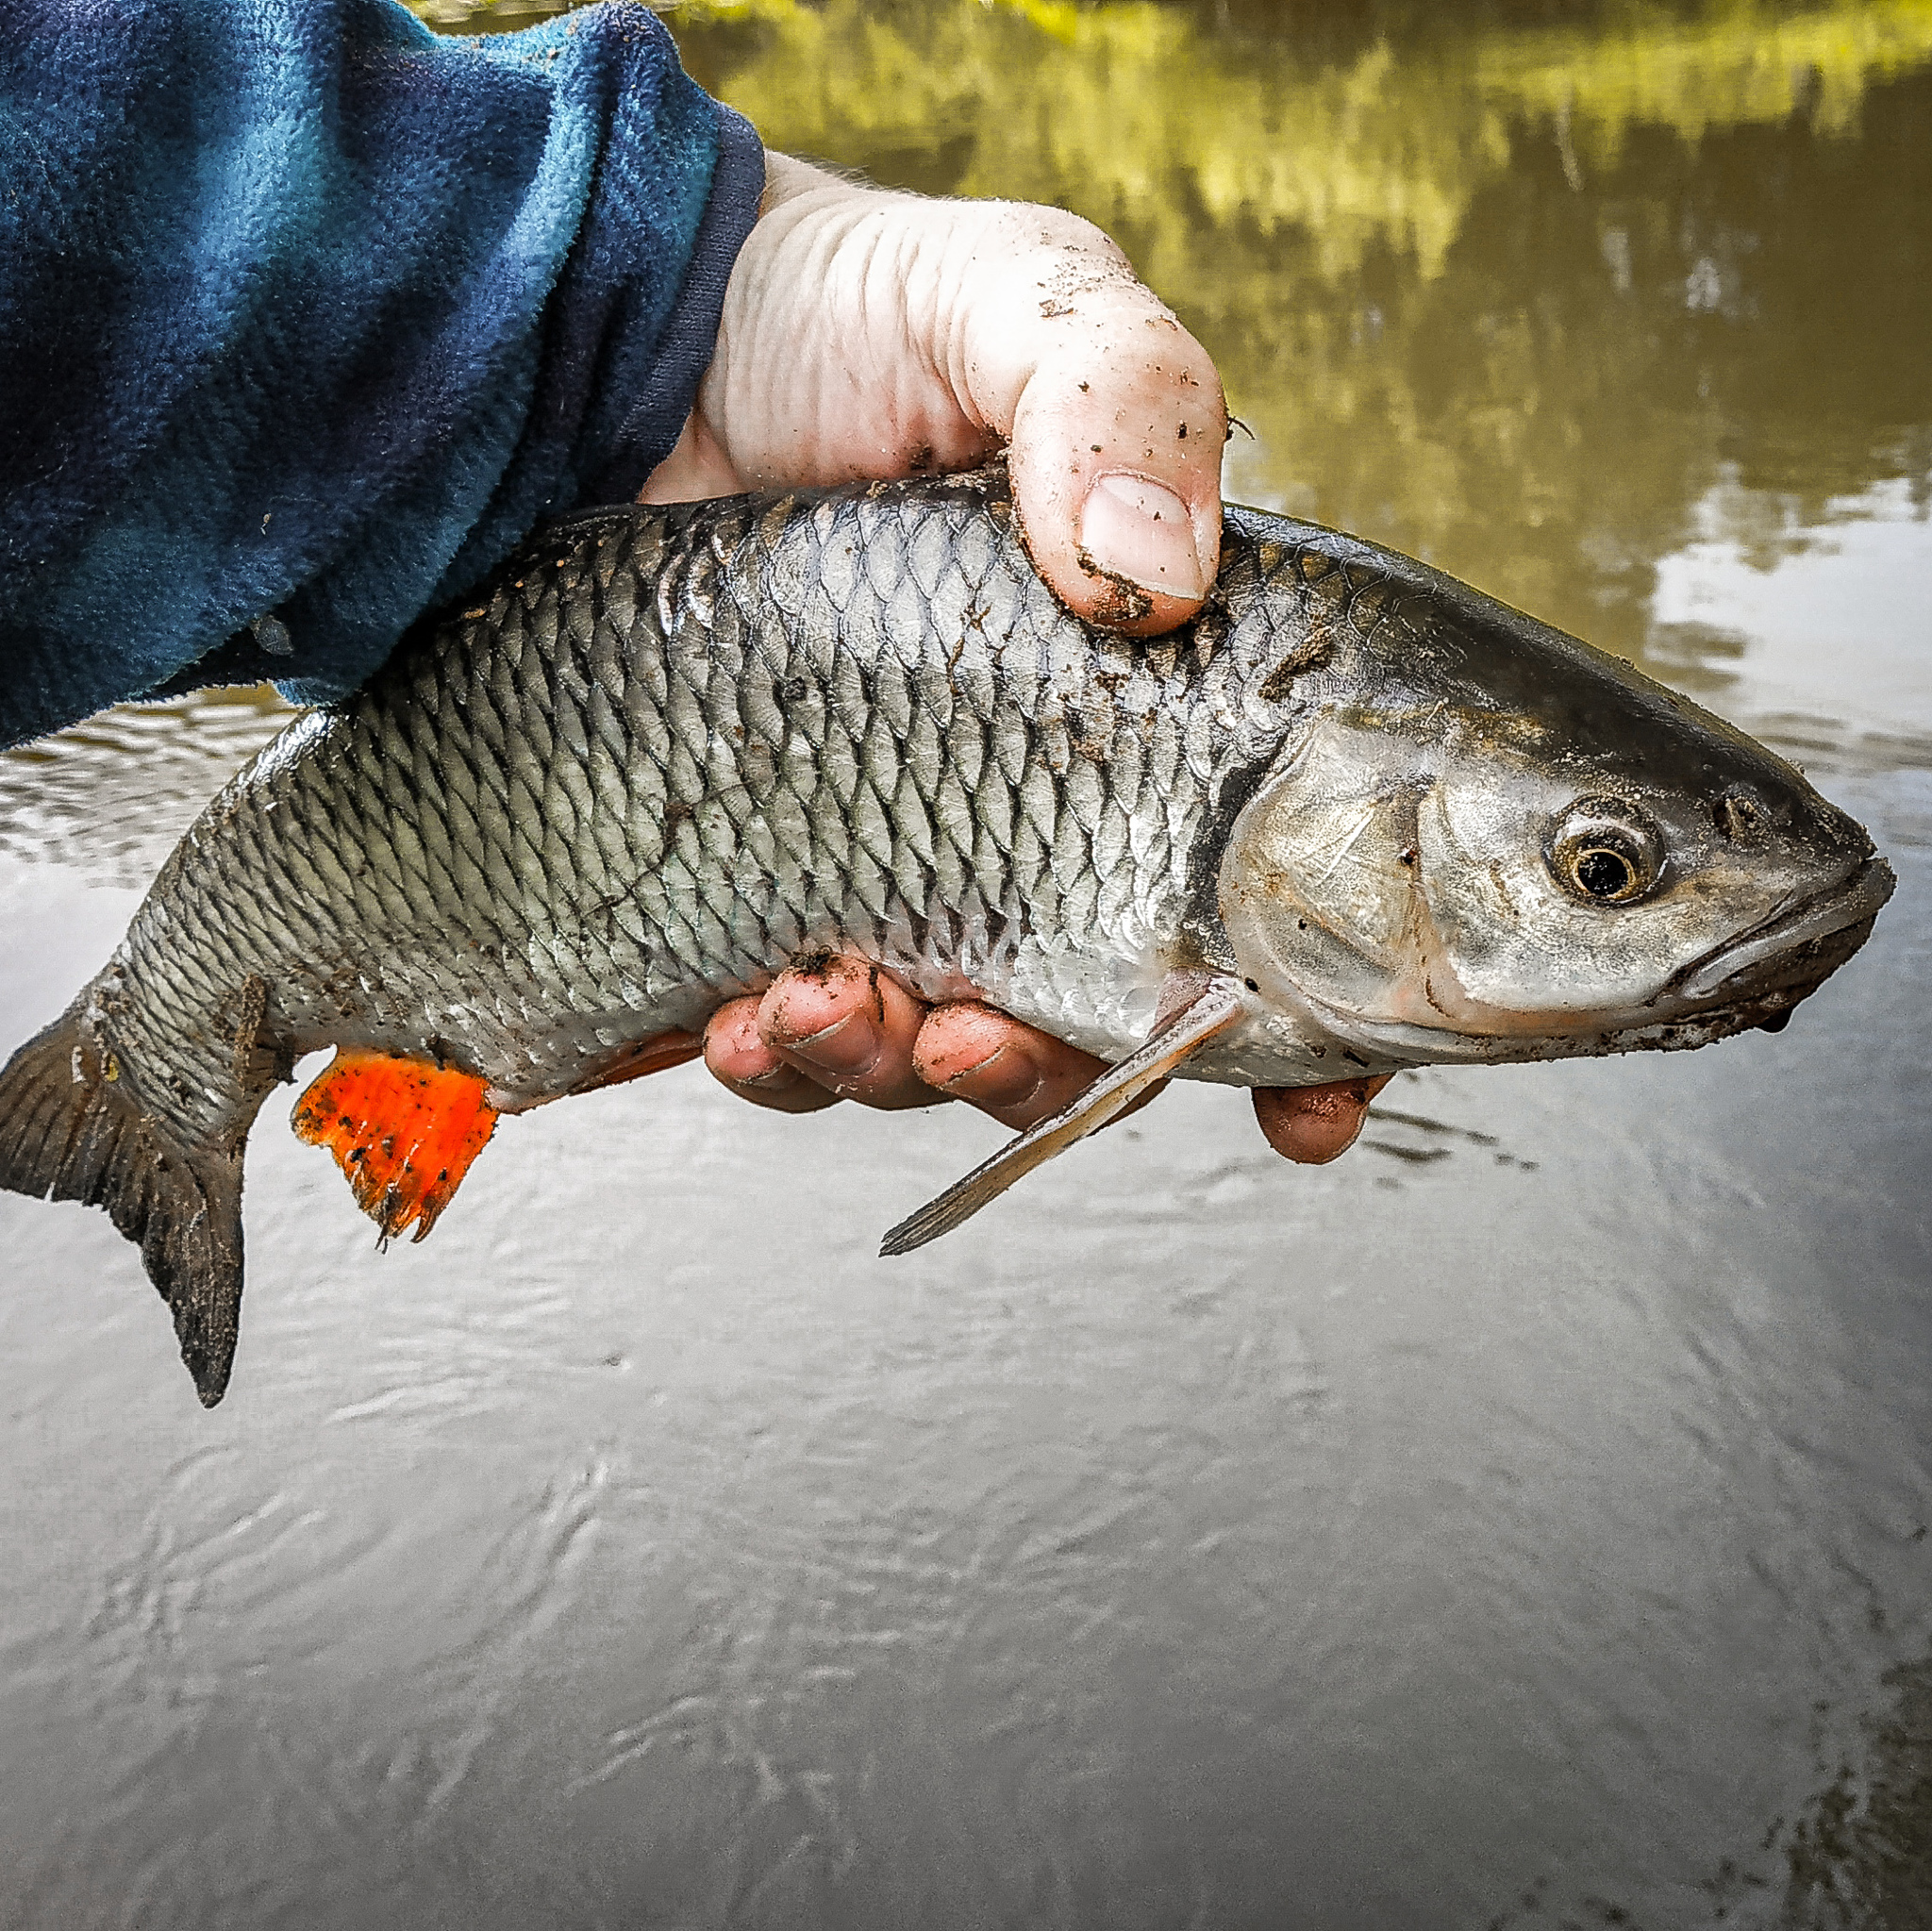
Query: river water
[[1523, 1522]]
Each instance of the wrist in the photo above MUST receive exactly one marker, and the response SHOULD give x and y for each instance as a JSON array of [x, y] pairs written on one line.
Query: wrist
[[787, 179]]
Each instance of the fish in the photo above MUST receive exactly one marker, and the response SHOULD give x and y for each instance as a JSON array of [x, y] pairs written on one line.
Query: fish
[[1355, 816]]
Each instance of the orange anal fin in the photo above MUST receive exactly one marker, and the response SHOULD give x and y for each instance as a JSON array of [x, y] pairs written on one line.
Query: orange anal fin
[[403, 1131], [657, 1054]]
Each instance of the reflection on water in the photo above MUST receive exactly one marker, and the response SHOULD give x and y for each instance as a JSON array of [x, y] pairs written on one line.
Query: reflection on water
[[1816, 632], [110, 797], [1861, 1853], [1523, 1522]]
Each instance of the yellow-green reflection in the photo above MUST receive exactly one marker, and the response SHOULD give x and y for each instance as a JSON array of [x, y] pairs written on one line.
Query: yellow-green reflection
[[1508, 296], [1132, 111], [1138, 112], [1735, 65]]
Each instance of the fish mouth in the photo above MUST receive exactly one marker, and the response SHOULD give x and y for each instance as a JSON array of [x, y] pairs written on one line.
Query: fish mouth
[[1798, 944]]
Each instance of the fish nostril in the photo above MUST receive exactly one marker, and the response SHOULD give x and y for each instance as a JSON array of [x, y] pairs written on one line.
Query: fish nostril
[[1741, 816]]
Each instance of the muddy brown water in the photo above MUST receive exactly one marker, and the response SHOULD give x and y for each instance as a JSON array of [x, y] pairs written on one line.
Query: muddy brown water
[[1522, 1522]]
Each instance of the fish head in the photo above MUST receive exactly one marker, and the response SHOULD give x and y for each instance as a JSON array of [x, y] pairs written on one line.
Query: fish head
[[1523, 849]]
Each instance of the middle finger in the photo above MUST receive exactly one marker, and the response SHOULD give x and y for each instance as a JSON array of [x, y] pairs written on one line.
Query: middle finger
[[851, 1027]]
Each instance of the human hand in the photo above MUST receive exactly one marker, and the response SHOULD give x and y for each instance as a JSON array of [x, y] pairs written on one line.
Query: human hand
[[843, 1029], [869, 334]]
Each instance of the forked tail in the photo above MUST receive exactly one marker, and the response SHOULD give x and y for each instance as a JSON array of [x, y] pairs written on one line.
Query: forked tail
[[71, 1128]]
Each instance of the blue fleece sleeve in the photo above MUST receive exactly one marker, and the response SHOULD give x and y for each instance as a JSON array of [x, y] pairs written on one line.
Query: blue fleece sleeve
[[307, 314]]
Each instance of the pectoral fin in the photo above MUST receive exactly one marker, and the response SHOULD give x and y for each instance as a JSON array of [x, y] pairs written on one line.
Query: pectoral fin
[[1194, 1007]]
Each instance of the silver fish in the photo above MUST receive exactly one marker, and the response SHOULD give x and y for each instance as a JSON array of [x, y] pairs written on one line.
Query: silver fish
[[1356, 817]]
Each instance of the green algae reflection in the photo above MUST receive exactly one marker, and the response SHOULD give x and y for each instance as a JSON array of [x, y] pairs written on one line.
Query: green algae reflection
[[1510, 295]]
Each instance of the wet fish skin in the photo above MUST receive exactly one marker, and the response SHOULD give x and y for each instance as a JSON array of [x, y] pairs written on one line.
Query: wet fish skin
[[668, 751], [675, 750]]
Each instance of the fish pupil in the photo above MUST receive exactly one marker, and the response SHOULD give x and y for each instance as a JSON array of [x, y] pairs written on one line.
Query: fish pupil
[[1604, 873]]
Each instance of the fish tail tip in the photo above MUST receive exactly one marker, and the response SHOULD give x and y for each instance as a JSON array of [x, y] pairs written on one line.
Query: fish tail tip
[[210, 1388], [207, 1306], [71, 1128]]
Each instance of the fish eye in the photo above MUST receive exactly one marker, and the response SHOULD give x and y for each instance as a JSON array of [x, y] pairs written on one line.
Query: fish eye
[[1605, 852]]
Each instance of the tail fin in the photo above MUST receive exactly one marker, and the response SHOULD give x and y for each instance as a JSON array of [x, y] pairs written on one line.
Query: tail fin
[[71, 1129]]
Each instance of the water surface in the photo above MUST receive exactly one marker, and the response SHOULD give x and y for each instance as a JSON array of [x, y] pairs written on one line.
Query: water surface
[[1524, 1522]]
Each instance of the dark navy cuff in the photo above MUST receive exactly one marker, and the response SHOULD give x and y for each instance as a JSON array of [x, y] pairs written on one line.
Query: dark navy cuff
[[650, 432]]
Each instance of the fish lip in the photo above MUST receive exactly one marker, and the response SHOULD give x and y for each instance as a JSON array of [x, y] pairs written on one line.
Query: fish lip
[[1855, 898]]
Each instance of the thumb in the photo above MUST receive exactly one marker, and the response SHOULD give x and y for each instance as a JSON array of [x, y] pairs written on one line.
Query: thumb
[[1114, 420]]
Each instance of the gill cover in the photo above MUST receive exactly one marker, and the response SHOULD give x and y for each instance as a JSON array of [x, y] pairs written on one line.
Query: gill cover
[[1319, 893]]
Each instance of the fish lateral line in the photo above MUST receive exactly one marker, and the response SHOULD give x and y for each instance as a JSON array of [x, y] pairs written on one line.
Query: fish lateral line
[[1195, 1007], [403, 1132]]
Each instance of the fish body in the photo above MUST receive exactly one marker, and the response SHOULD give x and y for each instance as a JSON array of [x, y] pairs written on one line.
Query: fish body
[[1356, 816]]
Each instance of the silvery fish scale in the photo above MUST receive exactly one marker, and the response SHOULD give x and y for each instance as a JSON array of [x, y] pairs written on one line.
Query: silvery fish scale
[[677, 748]]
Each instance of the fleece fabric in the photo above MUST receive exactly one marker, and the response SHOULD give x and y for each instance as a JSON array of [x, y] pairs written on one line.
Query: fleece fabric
[[307, 314]]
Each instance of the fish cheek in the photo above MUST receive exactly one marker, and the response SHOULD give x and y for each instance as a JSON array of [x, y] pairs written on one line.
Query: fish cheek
[[1513, 952], [1318, 892], [1490, 915]]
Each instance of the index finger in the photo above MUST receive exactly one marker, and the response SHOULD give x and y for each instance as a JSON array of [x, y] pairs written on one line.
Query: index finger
[[1314, 1125]]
